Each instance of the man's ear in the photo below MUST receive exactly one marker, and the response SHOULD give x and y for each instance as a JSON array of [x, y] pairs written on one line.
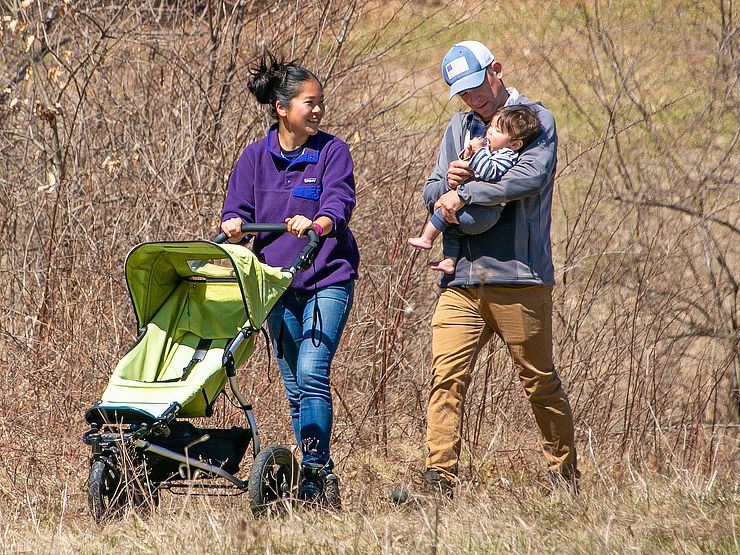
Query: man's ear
[[281, 109], [496, 69]]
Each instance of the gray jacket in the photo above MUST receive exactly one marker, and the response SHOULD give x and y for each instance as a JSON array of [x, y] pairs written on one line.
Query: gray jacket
[[515, 251]]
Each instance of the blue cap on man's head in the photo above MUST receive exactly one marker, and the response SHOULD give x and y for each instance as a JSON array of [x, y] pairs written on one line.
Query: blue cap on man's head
[[464, 66]]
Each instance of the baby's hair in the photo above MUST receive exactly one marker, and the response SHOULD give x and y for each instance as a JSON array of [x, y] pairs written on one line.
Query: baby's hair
[[518, 122], [272, 80]]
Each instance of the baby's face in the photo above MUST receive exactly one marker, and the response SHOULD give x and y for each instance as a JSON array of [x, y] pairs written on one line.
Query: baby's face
[[496, 138]]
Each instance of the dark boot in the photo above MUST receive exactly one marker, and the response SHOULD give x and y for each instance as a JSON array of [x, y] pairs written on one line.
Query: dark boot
[[311, 487], [433, 486], [437, 484]]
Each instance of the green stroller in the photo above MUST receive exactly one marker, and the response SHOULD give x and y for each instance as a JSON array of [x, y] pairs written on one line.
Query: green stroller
[[198, 306]]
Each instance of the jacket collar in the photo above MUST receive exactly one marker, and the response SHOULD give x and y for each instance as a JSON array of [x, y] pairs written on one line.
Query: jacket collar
[[310, 154], [514, 97]]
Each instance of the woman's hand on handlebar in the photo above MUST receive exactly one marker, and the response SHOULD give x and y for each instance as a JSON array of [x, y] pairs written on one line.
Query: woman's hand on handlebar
[[232, 228], [298, 224]]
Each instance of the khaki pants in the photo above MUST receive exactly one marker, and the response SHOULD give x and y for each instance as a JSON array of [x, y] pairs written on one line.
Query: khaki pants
[[465, 319]]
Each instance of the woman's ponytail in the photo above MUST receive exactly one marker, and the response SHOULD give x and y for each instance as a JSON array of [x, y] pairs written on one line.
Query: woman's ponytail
[[265, 77], [271, 80]]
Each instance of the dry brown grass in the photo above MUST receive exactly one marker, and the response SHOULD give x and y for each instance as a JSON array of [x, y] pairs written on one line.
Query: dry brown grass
[[617, 512], [120, 124]]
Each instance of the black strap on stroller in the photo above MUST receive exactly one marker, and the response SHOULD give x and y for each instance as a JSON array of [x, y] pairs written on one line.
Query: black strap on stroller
[[200, 353]]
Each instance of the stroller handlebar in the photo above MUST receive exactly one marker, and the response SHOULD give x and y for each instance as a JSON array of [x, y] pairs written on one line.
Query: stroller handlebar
[[252, 229], [304, 258]]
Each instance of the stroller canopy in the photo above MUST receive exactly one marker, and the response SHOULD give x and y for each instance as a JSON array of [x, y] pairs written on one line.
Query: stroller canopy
[[155, 270], [190, 298]]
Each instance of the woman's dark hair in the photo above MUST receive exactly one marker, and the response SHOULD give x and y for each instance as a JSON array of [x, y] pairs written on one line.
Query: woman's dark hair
[[272, 80]]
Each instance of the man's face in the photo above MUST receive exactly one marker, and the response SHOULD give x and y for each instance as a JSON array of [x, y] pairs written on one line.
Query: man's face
[[490, 96]]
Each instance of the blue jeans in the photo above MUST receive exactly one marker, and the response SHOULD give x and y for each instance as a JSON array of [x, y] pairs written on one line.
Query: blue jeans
[[304, 342], [473, 218]]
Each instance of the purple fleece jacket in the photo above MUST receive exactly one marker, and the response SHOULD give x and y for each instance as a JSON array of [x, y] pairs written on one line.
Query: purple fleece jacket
[[266, 188]]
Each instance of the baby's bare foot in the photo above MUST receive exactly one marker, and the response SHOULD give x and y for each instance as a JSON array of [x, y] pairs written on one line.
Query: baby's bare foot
[[446, 265], [420, 243]]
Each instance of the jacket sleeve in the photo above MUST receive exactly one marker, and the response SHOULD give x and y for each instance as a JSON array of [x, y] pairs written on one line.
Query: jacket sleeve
[[490, 166], [239, 200], [437, 185], [338, 187], [528, 177]]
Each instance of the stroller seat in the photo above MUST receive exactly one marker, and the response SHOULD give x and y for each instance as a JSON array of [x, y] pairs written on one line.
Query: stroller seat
[[179, 357], [192, 354]]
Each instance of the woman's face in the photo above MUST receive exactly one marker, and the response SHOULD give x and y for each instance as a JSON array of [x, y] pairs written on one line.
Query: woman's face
[[303, 117]]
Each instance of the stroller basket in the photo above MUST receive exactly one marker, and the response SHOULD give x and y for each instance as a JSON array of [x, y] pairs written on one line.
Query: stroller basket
[[224, 448]]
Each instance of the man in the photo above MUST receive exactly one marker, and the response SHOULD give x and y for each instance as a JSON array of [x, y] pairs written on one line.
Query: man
[[503, 279]]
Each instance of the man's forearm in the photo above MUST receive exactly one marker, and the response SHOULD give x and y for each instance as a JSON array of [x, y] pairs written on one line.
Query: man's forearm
[[523, 180]]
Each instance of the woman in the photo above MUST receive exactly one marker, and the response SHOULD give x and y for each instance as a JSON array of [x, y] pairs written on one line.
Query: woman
[[303, 177]]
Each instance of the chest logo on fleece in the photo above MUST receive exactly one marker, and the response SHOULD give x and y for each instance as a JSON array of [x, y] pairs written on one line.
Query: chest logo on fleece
[[309, 180]]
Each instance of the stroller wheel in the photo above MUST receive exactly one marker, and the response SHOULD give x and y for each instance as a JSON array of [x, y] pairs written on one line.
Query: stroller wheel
[[110, 489], [105, 493], [273, 480], [143, 496]]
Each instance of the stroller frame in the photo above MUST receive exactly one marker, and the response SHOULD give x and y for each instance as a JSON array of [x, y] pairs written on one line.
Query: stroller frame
[[131, 461]]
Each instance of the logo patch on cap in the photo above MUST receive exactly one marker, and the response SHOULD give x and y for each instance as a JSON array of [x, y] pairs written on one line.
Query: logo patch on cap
[[456, 67]]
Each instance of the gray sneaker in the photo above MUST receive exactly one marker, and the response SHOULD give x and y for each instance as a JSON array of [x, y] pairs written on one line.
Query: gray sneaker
[[331, 491]]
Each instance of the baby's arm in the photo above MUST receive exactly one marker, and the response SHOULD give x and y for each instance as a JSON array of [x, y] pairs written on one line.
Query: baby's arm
[[490, 166]]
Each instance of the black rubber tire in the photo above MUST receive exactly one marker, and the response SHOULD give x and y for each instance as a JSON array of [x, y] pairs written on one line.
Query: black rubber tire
[[273, 480], [105, 494], [110, 491], [143, 496]]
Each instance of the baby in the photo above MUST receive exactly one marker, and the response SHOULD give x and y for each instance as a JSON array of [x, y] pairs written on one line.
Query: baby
[[511, 129]]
